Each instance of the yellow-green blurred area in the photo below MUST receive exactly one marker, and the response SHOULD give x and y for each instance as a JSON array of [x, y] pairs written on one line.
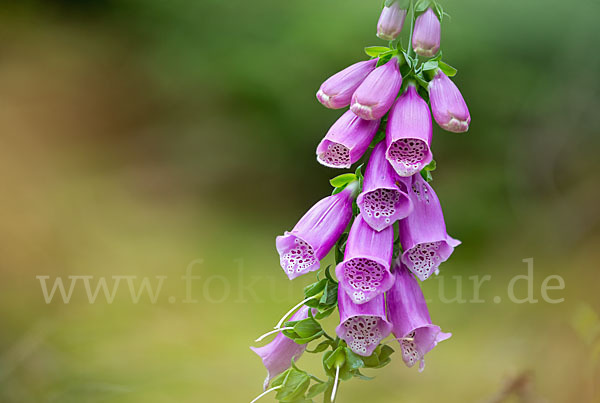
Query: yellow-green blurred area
[[142, 137]]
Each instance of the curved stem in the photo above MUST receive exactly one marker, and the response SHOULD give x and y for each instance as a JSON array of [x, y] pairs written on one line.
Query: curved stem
[[335, 383], [267, 391], [288, 313], [273, 332]]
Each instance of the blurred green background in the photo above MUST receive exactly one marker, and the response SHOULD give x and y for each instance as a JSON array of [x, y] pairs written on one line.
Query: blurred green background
[[139, 136]]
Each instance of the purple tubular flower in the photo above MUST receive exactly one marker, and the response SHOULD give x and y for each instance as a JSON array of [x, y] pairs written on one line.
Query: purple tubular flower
[[277, 355], [301, 249], [423, 235], [427, 34], [382, 203], [365, 271], [407, 310], [391, 22], [375, 96], [408, 134], [346, 141], [448, 105], [336, 92], [362, 327]]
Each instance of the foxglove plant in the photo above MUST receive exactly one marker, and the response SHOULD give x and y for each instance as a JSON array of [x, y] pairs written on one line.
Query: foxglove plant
[[376, 292], [336, 92], [411, 323], [425, 242], [382, 202]]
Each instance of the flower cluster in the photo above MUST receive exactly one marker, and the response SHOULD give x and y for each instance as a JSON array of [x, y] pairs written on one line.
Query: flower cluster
[[397, 234]]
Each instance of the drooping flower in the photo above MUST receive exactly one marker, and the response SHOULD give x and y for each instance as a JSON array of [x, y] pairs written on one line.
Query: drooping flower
[[408, 133], [363, 326], [365, 271], [427, 34], [301, 249], [336, 92], [377, 93], [382, 203], [411, 323], [277, 355], [448, 105], [423, 236], [346, 141], [391, 22]]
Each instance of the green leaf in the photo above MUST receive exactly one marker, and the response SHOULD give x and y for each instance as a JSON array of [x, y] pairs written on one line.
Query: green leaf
[[431, 166], [430, 65], [375, 51], [353, 361], [322, 314], [427, 176], [422, 5], [307, 327], [342, 180], [447, 69], [386, 56], [315, 288], [333, 359], [322, 346], [317, 389], [294, 386]]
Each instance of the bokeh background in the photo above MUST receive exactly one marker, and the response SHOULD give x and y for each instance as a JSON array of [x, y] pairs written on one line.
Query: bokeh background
[[140, 137]]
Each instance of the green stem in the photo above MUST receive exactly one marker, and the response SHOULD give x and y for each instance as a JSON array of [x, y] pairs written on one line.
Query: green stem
[[409, 48]]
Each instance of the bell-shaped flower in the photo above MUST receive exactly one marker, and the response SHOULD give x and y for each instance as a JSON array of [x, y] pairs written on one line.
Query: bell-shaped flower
[[375, 96], [363, 326], [391, 22], [336, 92], [277, 355], [382, 203], [301, 249], [423, 236], [448, 105], [408, 134], [346, 141], [427, 34], [365, 271], [411, 323]]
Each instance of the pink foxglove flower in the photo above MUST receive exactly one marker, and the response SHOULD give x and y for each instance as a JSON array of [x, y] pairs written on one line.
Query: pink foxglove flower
[[301, 249], [407, 310], [391, 22], [427, 34], [277, 355], [336, 92], [375, 96], [408, 134], [365, 271], [448, 105], [346, 141], [362, 327], [382, 203], [423, 235]]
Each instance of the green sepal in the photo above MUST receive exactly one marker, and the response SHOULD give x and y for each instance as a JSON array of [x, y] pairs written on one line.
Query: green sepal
[[317, 389], [375, 51], [386, 57], [447, 69], [294, 384], [426, 171], [304, 331], [342, 180], [322, 346]]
